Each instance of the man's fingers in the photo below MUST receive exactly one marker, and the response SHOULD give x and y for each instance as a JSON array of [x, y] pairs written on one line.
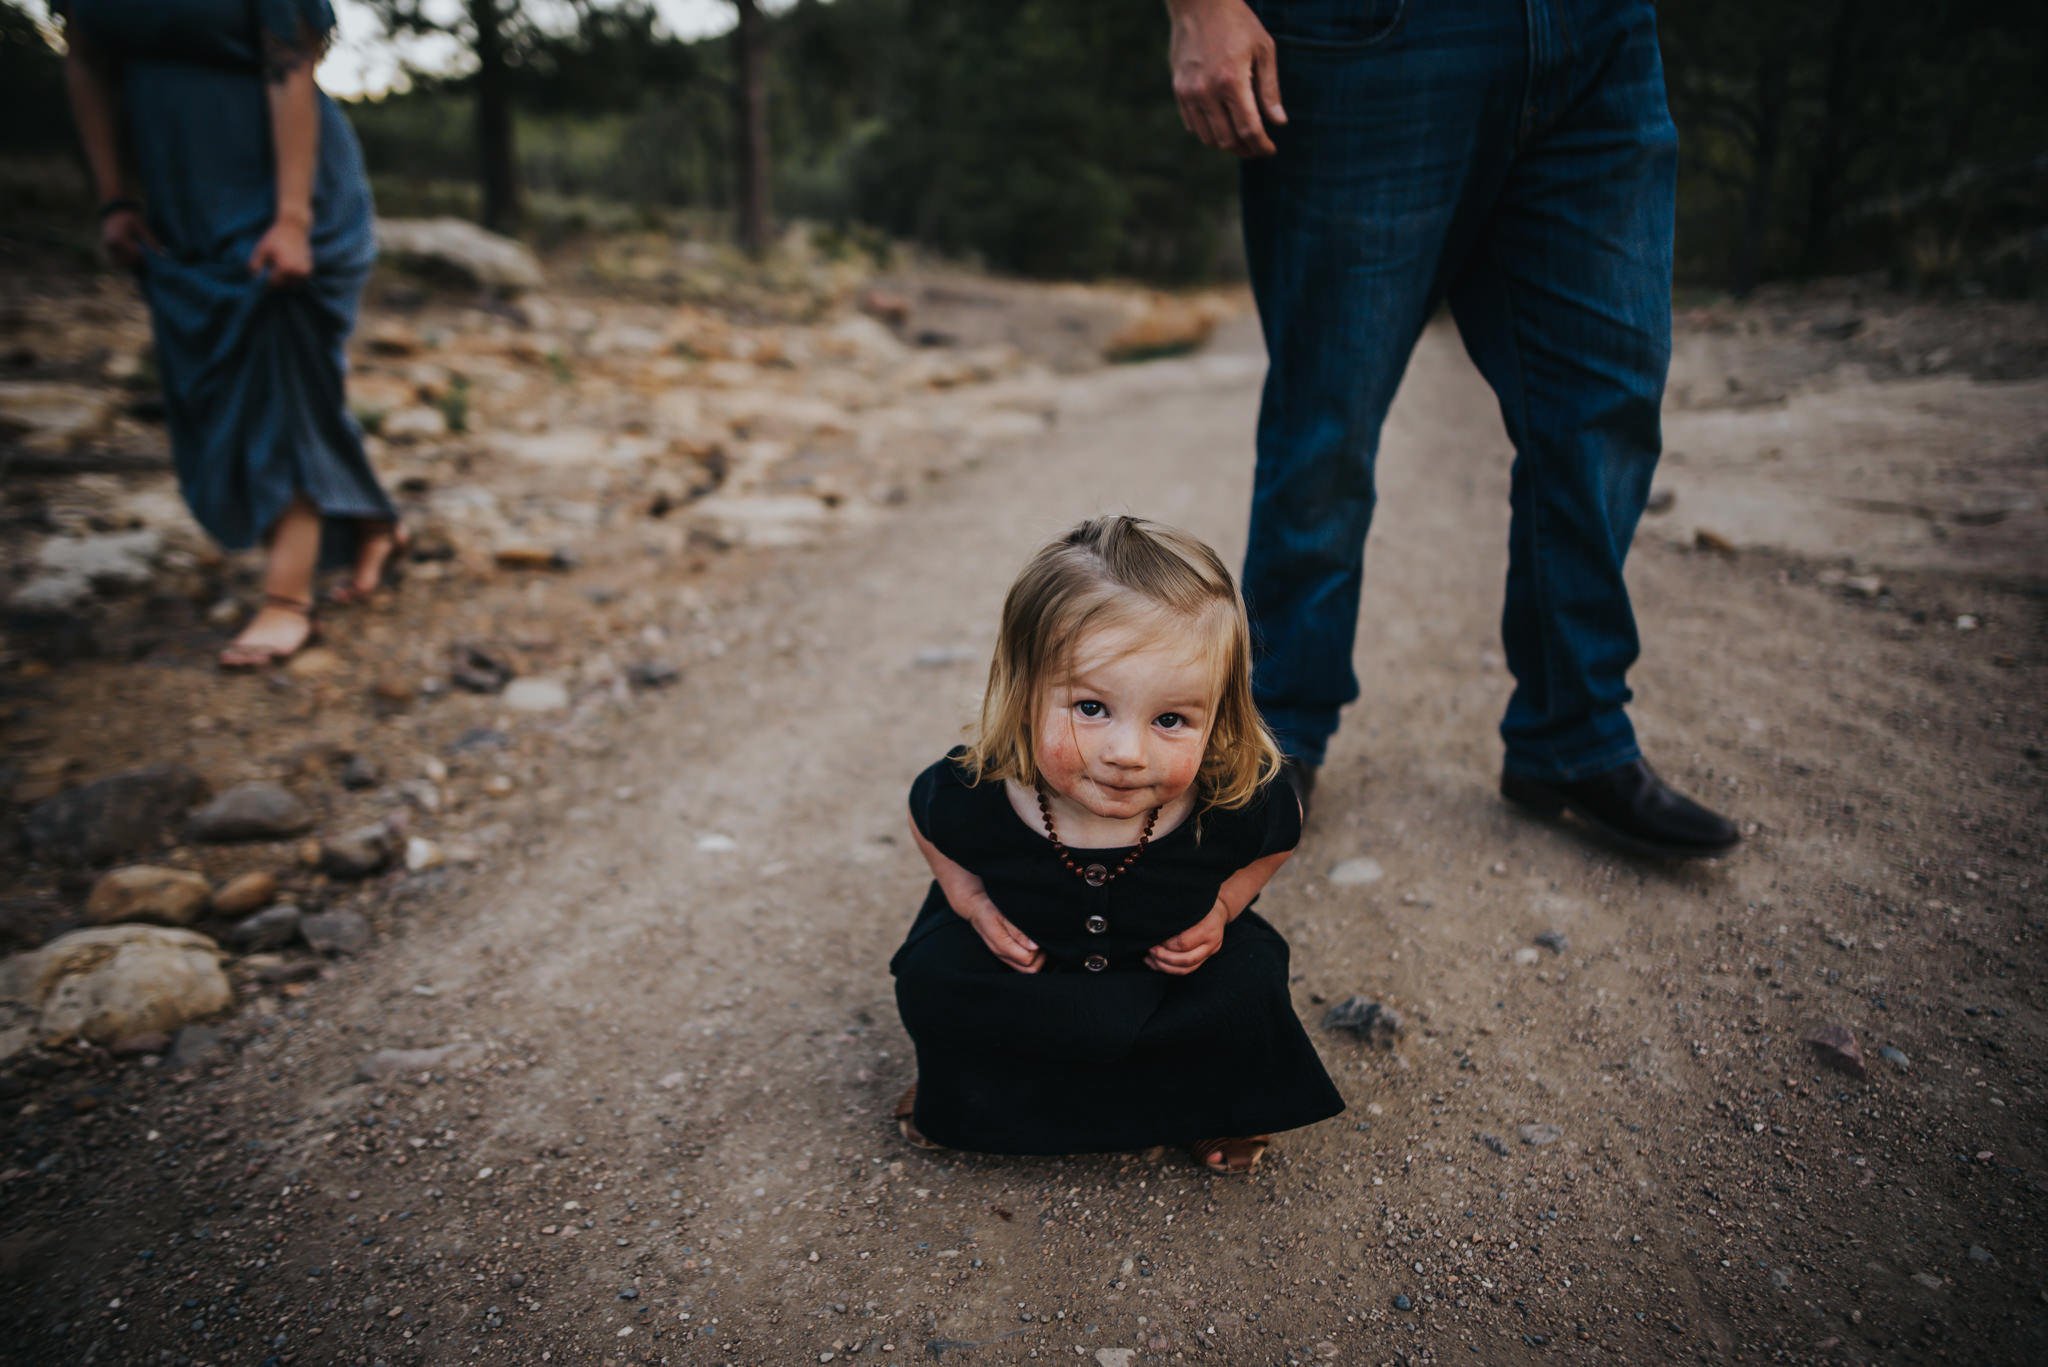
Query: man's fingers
[[1206, 124], [1266, 79], [1248, 129]]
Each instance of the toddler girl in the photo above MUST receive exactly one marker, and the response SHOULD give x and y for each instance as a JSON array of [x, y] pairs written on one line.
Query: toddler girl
[[1086, 972]]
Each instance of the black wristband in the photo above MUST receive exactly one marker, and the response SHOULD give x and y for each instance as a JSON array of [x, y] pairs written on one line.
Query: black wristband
[[115, 206]]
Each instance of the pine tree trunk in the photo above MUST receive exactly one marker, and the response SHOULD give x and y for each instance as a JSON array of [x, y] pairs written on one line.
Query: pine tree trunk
[[750, 98], [498, 171]]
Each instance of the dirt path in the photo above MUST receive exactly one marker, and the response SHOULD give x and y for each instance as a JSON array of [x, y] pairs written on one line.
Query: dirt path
[[666, 1141]]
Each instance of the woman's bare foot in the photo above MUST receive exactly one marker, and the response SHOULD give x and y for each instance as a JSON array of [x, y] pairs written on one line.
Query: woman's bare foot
[[1231, 1156], [374, 557], [281, 628]]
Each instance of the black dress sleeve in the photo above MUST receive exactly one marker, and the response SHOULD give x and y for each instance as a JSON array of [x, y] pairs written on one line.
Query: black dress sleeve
[[938, 802], [1281, 827]]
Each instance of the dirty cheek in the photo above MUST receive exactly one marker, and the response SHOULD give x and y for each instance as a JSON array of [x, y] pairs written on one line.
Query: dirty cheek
[[1059, 756]]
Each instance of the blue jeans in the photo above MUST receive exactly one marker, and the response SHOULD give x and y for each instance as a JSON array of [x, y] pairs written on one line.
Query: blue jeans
[[1516, 158]]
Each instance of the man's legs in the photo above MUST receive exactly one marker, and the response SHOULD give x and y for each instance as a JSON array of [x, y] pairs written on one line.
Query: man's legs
[[1565, 304], [1392, 149]]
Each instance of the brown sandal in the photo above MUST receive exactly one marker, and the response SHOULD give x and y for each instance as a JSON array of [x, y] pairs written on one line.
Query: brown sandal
[[905, 1105], [1233, 1157], [237, 655]]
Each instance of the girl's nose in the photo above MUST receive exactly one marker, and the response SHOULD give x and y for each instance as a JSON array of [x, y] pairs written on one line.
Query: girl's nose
[[1123, 746]]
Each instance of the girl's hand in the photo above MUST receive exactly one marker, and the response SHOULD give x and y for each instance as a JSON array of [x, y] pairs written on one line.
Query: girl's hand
[[1190, 949], [286, 251], [125, 238], [1004, 940]]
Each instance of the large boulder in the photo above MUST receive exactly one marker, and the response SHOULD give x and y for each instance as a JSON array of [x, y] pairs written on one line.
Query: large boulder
[[145, 892], [456, 247], [109, 982], [121, 815]]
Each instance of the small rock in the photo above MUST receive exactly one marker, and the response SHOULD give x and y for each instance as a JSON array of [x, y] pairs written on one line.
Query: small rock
[[274, 970], [1705, 540], [653, 674], [536, 695], [1896, 1057], [1527, 955], [525, 556], [1863, 585], [1661, 501], [121, 815], [479, 738], [245, 893], [1369, 1020], [360, 771], [358, 854], [341, 932], [392, 691], [1539, 1134], [390, 1063], [478, 671], [314, 662], [1114, 1357], [1554, 940], [135, 1046], [716, 843], [144, 892], [250, 811], [1838, 1049], [1838, 327], [1495, 1143], [272, 928], [422, 854], [500, 785], [1930, 1281], [417, 422], [193, 1046], [1403, 1303], [112, 560], [1981, 1254], [1356, 872]]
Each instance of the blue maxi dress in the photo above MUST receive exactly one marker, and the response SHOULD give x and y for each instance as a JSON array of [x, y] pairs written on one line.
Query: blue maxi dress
[[252, 376]]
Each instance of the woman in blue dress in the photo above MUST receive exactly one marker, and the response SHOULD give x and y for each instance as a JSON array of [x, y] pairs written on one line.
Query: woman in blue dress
[[235, 191]]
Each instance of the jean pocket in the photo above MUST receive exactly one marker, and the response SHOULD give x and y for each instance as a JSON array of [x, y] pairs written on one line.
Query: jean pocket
[[1330, 23]]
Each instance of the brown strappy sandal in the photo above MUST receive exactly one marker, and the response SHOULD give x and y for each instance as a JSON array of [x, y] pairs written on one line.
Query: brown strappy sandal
[[390, 570], [905, 1105], [1235, 1157], [239, 656]]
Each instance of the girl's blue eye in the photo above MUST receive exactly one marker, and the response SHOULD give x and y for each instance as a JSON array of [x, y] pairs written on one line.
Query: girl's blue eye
[[1088, 707], [1172, 721]]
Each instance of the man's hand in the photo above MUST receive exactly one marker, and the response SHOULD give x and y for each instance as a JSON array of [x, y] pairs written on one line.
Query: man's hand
[[1224, 77], [1190, 949]]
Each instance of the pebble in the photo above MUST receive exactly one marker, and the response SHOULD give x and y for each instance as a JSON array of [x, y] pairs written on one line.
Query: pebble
[[1838, 1048], [358, 854], [1981, 1254], [360, 771], [422, 854], [1539, 1134], [1781, 1279], [476, 670], [1356, 872], [245, 893], [192, 1046], [1371, 1021], [272, 928], [1896, 1057], [1526, 955], [1930, 1281], [1403, 1303], [1556, 941], [145, 892], [653, 674], [250, 811], [536, 695], [336, 932]]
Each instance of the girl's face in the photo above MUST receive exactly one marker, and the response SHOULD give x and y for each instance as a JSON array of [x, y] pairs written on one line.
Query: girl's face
[[1126, 729]]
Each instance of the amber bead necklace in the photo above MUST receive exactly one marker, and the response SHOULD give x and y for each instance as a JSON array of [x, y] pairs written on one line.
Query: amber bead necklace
[[1095, 875]]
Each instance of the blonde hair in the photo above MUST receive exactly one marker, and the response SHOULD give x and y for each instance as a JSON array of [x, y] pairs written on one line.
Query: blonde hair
[[1117, 571]]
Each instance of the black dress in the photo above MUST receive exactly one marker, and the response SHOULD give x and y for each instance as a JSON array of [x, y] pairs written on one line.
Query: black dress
[[1096, 1051]]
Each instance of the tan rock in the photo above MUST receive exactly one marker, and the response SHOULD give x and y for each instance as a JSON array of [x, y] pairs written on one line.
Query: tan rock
[[245, 893], [313, 663], [146, 892], [1170, 327], [110, 982]]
